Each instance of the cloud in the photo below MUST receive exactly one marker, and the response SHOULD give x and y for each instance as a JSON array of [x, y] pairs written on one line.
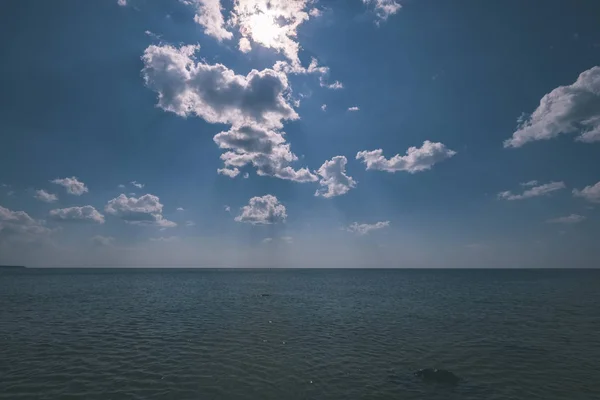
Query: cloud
[[137, 184], [244, 45], [267, 240], [122, 3], [271, 23], [72, 184], [77, 214], [313, 68], [415, 160], [589, 193], [571, 219], [287, 239], [334, 180], [255, 105], [99, 240], [530, 183], [227, 208], [168, 239], [363, 229], [145, 210], [209, 15], [179, 209], [334, 86], [541, 190], [20, 223], [355, 108], [44, 196], [263, 210], [567, 109], [324, 107], [121, 186], [315, 12], [384, 8], [190, 223]]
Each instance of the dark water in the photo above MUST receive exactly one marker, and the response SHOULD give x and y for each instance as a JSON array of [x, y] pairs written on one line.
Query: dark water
[[345, 334]]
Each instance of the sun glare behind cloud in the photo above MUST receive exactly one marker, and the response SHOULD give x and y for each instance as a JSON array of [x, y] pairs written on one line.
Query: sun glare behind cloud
[[264, 29]]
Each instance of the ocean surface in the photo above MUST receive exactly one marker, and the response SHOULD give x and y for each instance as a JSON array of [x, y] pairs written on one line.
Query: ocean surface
[[320, 334]]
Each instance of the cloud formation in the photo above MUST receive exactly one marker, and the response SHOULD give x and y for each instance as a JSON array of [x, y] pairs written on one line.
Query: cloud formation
[[334, 180], [571, 219], [77, 214], [20, 223], [44, 196], [589, 193], [72, 185], [567, 109], [145, 210], [254, 105], [262, 211], [384, 8], [541, 190], [416, 159], [354, 108], [103, 240], [137, 184], [363, 229], [209, 15]]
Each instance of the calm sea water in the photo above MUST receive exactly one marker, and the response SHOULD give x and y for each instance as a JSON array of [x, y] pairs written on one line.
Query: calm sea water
[[321, 334]]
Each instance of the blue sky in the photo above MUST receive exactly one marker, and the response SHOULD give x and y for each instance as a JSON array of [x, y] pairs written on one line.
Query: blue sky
[[249, 133]]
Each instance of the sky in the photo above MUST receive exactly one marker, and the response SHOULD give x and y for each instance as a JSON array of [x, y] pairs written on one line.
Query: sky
[[306, 133]]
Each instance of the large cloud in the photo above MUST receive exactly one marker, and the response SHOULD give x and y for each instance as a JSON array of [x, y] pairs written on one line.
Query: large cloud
[[73, 185], [363, 229], [263, 210], [541, 190], [590, 193], [20, 223], [255, 105], [44, 196], [145, 210], [77, 214], [209, 15], [416, 159], [334, 180], [567, 109]]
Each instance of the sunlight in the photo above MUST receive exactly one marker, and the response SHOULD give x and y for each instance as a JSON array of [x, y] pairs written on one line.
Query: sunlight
[[264, 29]]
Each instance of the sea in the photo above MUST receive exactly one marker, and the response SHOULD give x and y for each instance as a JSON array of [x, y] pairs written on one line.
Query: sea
[[298, 334]]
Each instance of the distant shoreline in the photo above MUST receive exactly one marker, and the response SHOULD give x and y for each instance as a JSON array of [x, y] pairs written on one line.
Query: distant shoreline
[[12, 267]]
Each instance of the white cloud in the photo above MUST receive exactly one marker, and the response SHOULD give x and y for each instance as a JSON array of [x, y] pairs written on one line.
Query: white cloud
[[416, 159], [529, 183], [313, 68], [121, 186], [20, 223], [103, 240], [567, 109], [122, 3], [287, 239], [541, 190], [267, 240], [44, 196], [227, 209], [230, 172], [246, 175], [571, 219], [255, 105], [137, 184], [190, 223], [355, 108], [168, 239], [209, 15], [334, 180], [334, 86], [315, 12], [244, 45], [72, 184], [77, 214], [384, 8], [263, 210], [324, 107], [589, 193], [145, 210], [271, 23], [363, 229], [180, 209]]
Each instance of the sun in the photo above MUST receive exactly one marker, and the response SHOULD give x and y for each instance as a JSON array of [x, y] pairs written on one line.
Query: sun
[[264, 29]]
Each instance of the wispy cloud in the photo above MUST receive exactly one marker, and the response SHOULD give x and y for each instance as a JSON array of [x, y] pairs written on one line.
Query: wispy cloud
[[363, 229], [44, 196], [536, 191]]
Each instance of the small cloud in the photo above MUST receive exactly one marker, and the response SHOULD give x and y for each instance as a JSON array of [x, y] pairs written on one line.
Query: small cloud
[[246, 175], [383, 8], [121, 186], [337, 85], [227, 209], [263, 211], [77, 214], [541, 190], [44, 196], [122, 3], [137, 184], [179, 209], [103, 240], [168, 239], [10, 193], [288, 239], [267, 240], [315, 12], [334, 181], [72, 185], [230, 172], [355, 108], [324, 107], [417, 159], [190, 223], [363, 229], [571, 219], [530, 183], [589, 193], [145, 210]]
